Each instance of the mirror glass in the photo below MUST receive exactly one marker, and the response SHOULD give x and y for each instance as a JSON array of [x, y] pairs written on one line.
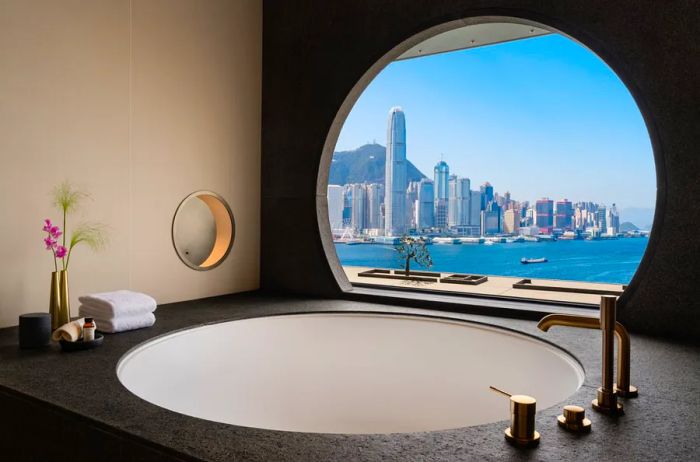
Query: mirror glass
[[203, 230]]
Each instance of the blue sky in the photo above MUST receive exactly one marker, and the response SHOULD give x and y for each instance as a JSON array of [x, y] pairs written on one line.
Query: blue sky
[[538, 117]]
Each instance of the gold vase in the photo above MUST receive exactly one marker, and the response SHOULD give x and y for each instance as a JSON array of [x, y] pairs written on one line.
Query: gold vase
[[55, 301], [64, 304]]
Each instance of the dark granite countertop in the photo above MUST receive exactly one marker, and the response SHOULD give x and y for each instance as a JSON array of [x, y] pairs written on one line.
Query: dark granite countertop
[[663, 423]]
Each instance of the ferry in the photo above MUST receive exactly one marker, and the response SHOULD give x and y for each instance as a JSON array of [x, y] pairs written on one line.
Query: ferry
[[526, 261]]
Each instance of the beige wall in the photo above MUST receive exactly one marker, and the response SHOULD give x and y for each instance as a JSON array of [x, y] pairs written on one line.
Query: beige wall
[[140, 103]]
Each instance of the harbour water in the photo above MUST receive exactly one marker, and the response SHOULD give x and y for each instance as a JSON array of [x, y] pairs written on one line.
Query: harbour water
[[611, 261]]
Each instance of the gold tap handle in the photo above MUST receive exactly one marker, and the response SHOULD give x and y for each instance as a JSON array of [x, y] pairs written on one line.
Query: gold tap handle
[[500, 391]]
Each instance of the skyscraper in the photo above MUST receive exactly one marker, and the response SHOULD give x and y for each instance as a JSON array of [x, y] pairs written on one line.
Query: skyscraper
[[347, 205], [530, 217], [613, 220], [585, 215], [460, 195], [425, 204], [601, 218], [411, 204], [544, 215], [441, 176], [486, 195], [475, 212], [335, 206], [491, 219], [395, 174], [511, 221], [564, 214], [452, 201], [375, 197], [359, 207], [506, 200]]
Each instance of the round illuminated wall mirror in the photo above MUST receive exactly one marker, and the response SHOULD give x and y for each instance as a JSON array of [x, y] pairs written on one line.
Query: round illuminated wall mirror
[[203, 230]]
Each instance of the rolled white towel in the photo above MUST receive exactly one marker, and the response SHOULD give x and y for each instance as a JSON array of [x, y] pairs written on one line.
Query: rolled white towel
[[70, 331], [124, 323], [110, 305]]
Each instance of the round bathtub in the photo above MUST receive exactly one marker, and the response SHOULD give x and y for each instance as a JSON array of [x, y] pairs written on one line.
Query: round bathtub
[[347, 372]]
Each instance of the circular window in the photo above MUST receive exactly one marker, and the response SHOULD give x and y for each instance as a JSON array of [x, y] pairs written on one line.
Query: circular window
[[510, 149], [203, 230]]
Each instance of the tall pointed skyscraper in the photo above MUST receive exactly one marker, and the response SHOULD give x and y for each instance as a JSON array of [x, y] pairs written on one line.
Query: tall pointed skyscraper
[[395, 179]]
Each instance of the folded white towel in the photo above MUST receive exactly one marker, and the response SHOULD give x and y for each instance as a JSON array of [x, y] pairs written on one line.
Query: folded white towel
[[96, 313], [109, 305], [124, 323], [70, 331]]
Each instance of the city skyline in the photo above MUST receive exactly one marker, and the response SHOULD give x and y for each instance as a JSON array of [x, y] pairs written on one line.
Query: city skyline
[[500, 191], [567, 117], [447, 206], [464, 211]]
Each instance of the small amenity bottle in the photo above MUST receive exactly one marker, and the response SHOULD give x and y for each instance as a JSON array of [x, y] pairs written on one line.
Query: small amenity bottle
[[89, 330]]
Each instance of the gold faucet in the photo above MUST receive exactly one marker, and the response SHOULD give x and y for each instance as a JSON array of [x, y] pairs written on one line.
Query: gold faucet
[[607, 394]]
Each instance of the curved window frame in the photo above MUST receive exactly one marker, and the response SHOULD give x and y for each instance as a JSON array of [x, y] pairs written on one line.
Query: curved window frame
[[341, 115]]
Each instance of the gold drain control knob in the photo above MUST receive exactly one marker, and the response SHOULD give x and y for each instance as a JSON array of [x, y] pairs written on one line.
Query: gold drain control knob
[[574, 419], [522, 420]]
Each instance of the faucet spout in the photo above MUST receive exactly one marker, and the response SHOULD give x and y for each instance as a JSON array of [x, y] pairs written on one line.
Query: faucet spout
[[623, 387], [568, 320]]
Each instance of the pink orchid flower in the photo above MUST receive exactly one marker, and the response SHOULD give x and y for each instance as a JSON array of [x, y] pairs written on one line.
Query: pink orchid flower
[[61, 251], [50, 243], [47, 225], [55, 232]]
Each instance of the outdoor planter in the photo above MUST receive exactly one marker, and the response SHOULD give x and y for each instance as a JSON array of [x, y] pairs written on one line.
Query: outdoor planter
[[467, 279], [399, 275]]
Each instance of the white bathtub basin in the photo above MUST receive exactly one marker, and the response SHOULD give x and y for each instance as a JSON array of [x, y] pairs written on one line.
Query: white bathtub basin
[[347, 372]]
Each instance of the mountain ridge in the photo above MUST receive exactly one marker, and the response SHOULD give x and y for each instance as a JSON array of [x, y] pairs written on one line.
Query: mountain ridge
[[365, 164], [628, 226]]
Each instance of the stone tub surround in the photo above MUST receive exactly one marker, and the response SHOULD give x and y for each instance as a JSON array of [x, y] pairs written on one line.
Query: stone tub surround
[[51, 398]]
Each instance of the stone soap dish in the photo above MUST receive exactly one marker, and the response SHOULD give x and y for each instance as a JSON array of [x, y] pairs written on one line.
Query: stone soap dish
[[81, 345]]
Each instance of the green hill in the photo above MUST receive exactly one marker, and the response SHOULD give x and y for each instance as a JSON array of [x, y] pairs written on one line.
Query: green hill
[[627, 226], [365, 163]]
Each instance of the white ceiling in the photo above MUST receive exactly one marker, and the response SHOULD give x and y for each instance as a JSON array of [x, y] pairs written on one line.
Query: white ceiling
[[473, 36]]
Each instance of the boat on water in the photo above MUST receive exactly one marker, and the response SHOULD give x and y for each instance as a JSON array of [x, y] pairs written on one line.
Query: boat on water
[[526, 261]]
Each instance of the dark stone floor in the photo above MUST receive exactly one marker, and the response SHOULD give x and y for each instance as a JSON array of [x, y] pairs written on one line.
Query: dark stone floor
[[662, 424]]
